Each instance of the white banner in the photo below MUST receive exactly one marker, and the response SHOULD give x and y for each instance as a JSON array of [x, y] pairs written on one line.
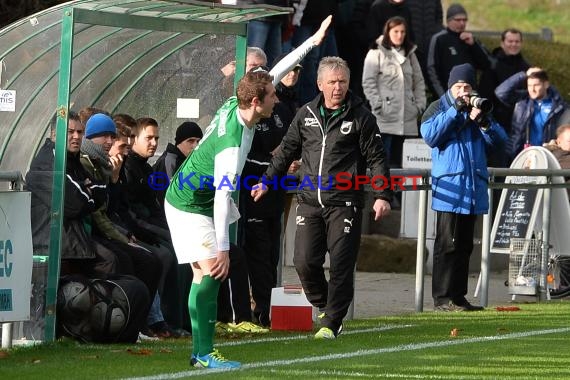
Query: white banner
[[15, 256]]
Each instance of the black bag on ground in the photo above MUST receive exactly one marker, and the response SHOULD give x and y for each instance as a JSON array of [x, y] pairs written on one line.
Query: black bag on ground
[[102, 310]]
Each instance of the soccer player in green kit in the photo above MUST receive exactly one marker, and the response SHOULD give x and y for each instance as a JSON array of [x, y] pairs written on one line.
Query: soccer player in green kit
[[199, 207]]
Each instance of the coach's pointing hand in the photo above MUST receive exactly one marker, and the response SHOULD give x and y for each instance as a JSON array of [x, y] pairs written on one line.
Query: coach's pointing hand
[[382, 208]]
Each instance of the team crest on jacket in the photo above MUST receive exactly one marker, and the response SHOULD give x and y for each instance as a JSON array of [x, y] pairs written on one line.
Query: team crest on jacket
[[311, 122], [278, 122], [345, 127]]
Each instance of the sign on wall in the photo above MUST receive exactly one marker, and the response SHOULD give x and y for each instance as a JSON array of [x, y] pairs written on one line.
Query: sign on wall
[[8, 100], [15, 256]]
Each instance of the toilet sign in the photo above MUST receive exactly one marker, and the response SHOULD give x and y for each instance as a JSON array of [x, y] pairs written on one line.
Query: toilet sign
[[15, 256]]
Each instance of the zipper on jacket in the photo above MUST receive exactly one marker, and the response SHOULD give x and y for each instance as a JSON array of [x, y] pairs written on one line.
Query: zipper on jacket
[[323, 145]]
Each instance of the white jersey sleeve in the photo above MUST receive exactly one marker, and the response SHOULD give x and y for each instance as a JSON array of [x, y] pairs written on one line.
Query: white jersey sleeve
[[288, 63]]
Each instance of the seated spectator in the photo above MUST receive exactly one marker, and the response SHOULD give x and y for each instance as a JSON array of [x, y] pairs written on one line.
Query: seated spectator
[[149, 214], [81, 255], [100, 134], [118, 211], [538, 111], [142, 197]]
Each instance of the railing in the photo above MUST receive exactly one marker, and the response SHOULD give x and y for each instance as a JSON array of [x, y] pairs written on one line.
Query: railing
[[423, 188]]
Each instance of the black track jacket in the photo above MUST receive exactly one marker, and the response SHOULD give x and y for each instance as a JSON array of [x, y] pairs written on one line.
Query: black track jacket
[[332, 153]]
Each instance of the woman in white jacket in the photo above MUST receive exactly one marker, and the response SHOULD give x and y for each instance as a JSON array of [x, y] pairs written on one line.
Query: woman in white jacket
[[393, 84]]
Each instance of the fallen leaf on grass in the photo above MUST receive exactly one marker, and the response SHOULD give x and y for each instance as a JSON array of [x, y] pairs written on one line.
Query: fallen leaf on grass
[[36, 361], [502, 330], [142, 351], [454, 332], [3, 354], [508, 308]]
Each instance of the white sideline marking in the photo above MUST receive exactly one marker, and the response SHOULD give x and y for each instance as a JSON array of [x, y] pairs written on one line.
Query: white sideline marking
[[335, 373], [346, 355], [305, 336]]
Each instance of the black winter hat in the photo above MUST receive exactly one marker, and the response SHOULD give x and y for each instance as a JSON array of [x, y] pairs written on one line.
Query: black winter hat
[[186, 130], [462, 73], [454, 10]]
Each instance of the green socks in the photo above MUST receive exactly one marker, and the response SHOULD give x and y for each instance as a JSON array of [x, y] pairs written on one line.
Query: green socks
[[194, 289], [203, 307]]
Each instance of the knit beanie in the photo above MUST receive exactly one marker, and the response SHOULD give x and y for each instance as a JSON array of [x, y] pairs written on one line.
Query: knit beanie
[[187, 130], [454, 10], [462, 73], [99, 124]]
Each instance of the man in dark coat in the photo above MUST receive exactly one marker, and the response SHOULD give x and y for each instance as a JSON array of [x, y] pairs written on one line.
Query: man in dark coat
[[451, 47], [80, 253], [507, 61]]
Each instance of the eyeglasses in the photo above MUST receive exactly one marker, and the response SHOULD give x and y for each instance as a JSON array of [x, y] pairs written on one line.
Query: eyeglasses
[[460, 19]]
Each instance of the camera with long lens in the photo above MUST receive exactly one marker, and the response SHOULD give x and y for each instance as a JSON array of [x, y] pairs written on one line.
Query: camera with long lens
[[483, 104]]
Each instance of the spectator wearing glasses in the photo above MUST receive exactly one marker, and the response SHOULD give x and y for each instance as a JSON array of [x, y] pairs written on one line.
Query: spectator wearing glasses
[[451, 47]]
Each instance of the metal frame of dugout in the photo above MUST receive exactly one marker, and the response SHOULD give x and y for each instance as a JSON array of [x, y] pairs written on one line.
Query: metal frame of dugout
[[197, 19]]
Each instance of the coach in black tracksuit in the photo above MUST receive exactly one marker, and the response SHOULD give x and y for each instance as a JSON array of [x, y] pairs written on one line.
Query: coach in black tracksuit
[[334, 133]]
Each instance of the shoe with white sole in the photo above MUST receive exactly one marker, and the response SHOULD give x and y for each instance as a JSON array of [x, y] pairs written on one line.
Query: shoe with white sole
[[214, 360]]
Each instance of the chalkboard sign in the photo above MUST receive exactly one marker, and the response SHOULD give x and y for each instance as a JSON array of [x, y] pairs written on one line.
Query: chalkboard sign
[[516, 217]]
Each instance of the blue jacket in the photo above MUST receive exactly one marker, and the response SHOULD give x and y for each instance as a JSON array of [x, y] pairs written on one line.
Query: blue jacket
[[459, 162], [509, 92]]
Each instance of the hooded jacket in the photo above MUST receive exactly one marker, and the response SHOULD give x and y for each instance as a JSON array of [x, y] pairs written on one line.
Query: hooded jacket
[[394, 86], [509, 92], [459, 164], [332, 152]]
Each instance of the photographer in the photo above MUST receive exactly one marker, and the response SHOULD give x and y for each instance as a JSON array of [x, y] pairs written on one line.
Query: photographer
[[459, 128]]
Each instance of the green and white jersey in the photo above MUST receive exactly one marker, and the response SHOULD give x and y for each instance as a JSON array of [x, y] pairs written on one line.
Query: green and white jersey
[[215, 163]]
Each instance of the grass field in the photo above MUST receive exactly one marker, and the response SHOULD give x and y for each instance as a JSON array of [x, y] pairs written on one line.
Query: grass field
[[531, 343]]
